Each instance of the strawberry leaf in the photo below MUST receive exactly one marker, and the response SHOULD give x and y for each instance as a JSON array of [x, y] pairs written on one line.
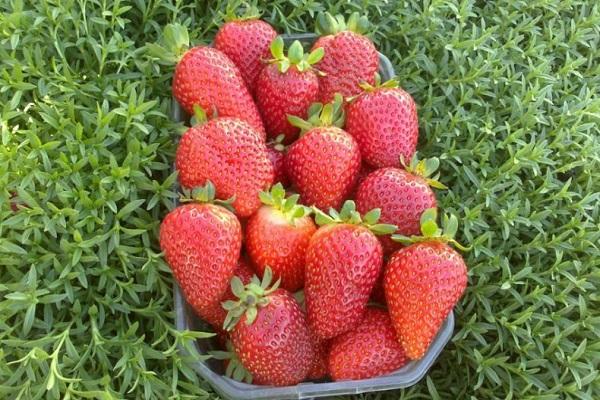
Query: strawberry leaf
[[277, 48], [315, 56], [383, 229], [372, 216], [295, 52]]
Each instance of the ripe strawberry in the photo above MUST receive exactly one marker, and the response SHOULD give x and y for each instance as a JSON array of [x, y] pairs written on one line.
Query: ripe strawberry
[[370, 350], [423, 282], [216, 315], [271, 339], [246, 40], [276, 154], [202, 245], [324, 162], [343, 262], [231, 154], [402, 195], [277, 237], [378, 294], [206, 77], [350, 57], [287, 85], [319, 369], [383, 120], [365, 170]]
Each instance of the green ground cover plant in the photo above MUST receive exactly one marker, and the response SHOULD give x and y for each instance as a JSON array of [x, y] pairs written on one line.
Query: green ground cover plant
[[507, 94]]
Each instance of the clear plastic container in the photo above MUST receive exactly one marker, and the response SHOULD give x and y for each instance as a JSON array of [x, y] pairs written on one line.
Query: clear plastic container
[[212, 370]]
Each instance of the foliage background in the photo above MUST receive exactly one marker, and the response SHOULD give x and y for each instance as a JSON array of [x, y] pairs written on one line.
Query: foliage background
[[507, 94]]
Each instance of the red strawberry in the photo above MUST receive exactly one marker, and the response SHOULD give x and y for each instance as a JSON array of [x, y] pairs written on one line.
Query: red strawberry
[[343, 261], [370, 350], [231, 154], [206, 77], [401, 195], [202, 245], [350, 57], [276, 153], [324, 162], [246, 42], [365, 170], [287, 85], [378, 294], [216, 316], [277, 237], [271, 339], [423, 282], [383, 120], [318, 369]]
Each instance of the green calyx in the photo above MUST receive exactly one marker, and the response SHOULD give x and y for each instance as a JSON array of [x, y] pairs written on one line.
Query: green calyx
[[288, 207], [235, 369], [431, 231], [390, 84], [328, 24], [250, 298], [295, 57], [349, 215], [240, 11], [277, 143], [175, 41], [424, 168], [330, 114], [205, 194]]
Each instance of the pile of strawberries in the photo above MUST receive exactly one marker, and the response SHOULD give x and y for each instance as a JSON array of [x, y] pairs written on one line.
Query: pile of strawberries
[[280, 145]]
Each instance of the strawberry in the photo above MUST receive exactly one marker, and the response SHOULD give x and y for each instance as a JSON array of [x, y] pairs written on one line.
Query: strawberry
[[350, 57], [343, 261], [383, 120], [402, 195], [423, 282], [365, 170], [319, 369], [276, 154], [324, 162], [230, 153], [277, 236], [245, 40], [201, 243], [369, 350], [216, 315], [206, 77], [287, 85], [378, 294], [269, 332]]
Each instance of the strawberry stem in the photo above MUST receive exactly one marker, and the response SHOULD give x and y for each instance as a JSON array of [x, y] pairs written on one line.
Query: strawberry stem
[[431, 231], [240, 11], [331, 114], [424, 168], [296, 56], [250, 298], [327, 24], [288, 206], [205, 194], [349, 215], [175, 41]]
